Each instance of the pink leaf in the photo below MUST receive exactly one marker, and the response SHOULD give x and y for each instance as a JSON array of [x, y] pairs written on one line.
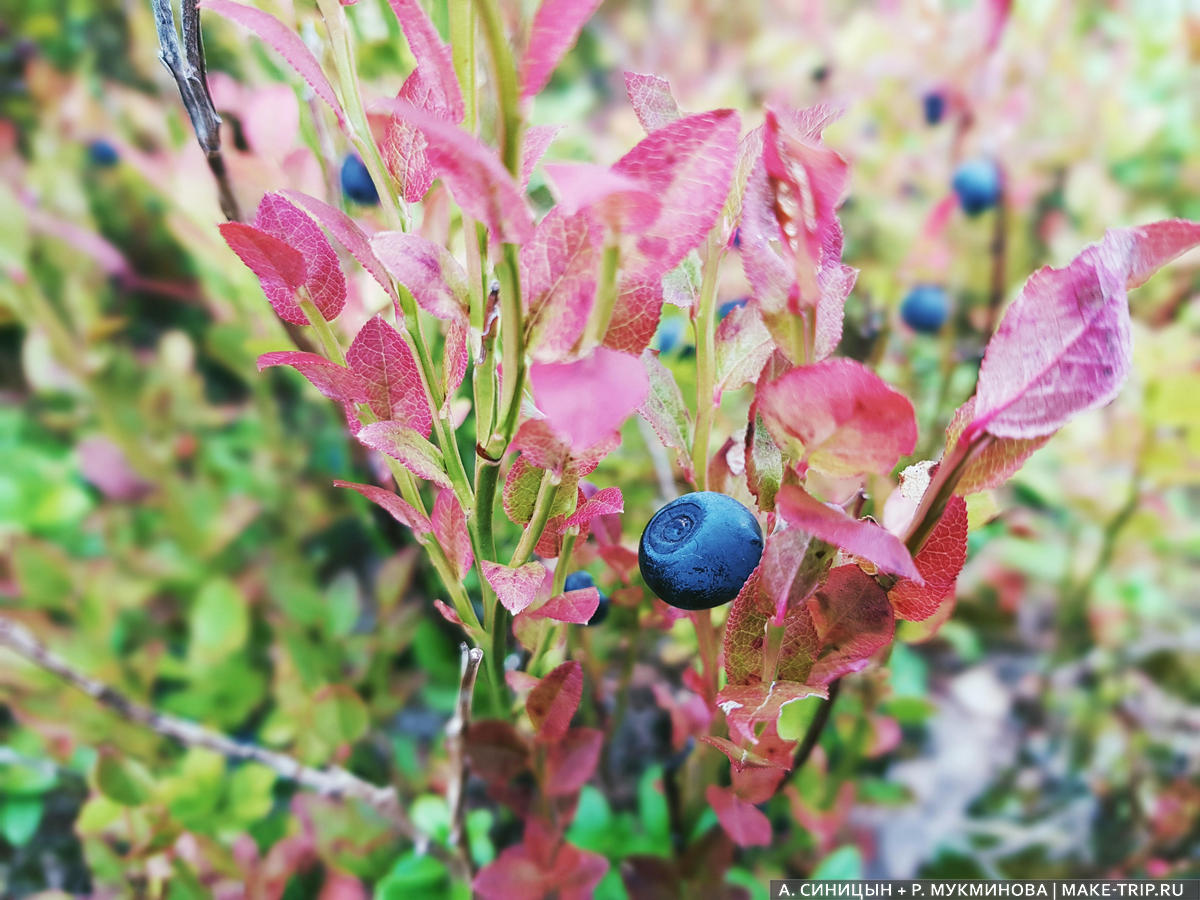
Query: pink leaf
[[741, 758], [450, 528], [858, 536], [745, 824], [1064, 343], [279, 268], [538, 868], [635, 317], [847, 420], [448, 613], [104, 464], [651, 99], [620, 201], [576, 607], [347, 233], [538, 139], [605, 502], [382, 358], [86, 241], [323, 276], [556, 27], [616, 383], [397, 508], [455, 356], [433, 57], [939, 561], [476, 177], [553, 702], [743, 346], [688, 165], [286, 42], [558, 279], [402, 442], [333, 381], [571, 761], [516, 588], [403, 148], [430, 272], [996, 462]]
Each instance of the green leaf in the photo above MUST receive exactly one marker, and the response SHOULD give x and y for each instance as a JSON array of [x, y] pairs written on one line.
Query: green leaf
[[26, 780], [219, 623], [431, 816], [342, 605], [795, 717], [843, 863], [339, 715], [412, 876], [652, 808], [122, 779], [250, 796], [479, 836], [19, 819]]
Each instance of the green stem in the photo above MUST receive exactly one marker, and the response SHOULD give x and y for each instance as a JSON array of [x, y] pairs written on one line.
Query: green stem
[[774, 642], [705, 359], [329, 342], [564, 563], [512, 351], [547, 489], [508, 95], [706, 640], [606, 296], [462, 50]]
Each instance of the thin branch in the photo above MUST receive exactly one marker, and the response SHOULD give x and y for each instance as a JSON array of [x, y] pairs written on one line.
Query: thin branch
[[999, 254], [456, 728], [331, 782], [186, 64]]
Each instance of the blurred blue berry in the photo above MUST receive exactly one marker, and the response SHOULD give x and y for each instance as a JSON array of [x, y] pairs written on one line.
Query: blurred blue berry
[[357, 183], [926, 308], [977, 183], [103, 154]]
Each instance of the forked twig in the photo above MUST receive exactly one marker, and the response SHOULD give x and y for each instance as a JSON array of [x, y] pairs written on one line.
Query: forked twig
[[456, 729], [330, 782], [186, 64]]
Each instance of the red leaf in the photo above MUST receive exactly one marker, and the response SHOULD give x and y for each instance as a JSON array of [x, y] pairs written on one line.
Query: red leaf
[[347, 233], [553, 702], [382, 358], [793, 566], [285, 41], [433, 57], [406, 444], [635, 317], [939, 561], [556, 27], [745, 705], [558, 277], [845, 418], [323, 277], [448, 613], [530, 871], [450, 528], [615, 384], [606, 502], [852, 620], [741, 758], [745, 824], [651, 99], [688, 165], [279, 268], [858, 536], [399, 510], [432, 275], [476, 177], [495, 752], [516, 588], [576, 607], [1064, 343], [571, 761], [333, 381]]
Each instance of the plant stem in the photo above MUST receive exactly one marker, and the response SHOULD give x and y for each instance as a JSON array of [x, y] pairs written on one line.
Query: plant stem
[[706, 640], [462, 50], [773, 644], [547, 489], [705, 353], [509, 120], [606, 295], [812, 736]]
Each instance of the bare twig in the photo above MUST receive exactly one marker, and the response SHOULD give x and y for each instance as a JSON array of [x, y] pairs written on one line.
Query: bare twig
[[999, 253], [332, 782], [456, 794], [813, 735], [186, 64]]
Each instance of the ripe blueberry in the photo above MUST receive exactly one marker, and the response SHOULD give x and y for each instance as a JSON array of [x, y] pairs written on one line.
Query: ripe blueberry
[[699, 549], [357, 183], [934, 104], [670, 334], [925, 308], [729, 306], [977, 184], [577, 581], [103, 154]]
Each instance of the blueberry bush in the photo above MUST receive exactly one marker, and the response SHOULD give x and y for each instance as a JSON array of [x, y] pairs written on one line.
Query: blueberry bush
[[671, 511]]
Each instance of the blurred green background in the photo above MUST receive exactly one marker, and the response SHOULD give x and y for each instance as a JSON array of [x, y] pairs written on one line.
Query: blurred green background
[[168, 524]]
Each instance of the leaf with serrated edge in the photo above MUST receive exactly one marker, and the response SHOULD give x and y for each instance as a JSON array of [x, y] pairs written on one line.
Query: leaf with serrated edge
[[635, 317], [558, 280], [743, 346], [746, 705], [939, 560], [666, 412], [450, 528], [323, 278], [433, 56], [556, 27], [615, 383], [430, 272], [621, 202], [396, 507], [402, 442], [995, 462], [651, 99], [576, 607], [279, 268], [846, 419], [383, 359], [516, 588], [333, 381], [286, 42]]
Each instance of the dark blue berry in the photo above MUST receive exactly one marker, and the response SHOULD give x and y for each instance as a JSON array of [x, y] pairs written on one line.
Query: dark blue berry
[[102, 153], [977, 184], [934, 104], [577, 581], [729, 306], [669, 334], [699, 549], [925, 308], [357, 183]]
